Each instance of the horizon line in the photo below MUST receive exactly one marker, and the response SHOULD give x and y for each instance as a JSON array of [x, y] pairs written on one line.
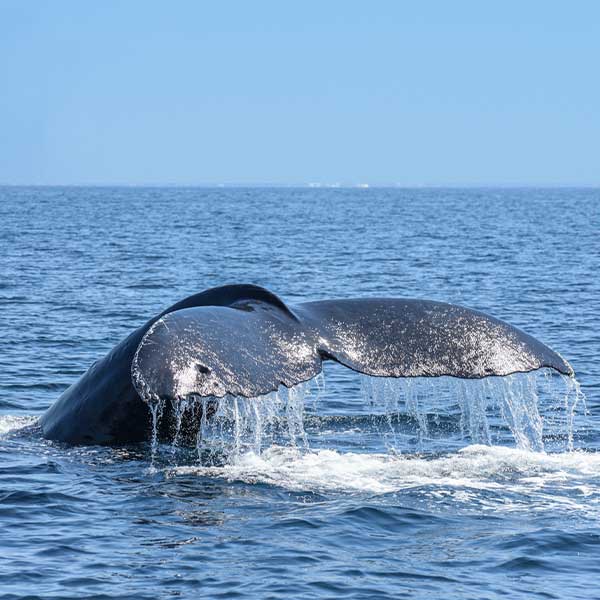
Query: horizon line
[[315, 185]]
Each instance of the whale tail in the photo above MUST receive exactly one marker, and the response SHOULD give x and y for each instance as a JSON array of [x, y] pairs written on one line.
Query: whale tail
[[243, 340], [253, 345]]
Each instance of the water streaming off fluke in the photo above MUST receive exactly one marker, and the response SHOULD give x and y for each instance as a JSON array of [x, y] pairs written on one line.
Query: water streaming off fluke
[[532, 411]]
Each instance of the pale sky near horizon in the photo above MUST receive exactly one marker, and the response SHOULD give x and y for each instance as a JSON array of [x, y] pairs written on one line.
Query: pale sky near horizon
[[400, 93]]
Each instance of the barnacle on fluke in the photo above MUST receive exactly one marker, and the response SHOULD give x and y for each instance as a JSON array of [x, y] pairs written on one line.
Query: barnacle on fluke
[[242, 340]]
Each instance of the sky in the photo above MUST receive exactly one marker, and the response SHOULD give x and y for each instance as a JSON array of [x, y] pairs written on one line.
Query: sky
[[382, 92]]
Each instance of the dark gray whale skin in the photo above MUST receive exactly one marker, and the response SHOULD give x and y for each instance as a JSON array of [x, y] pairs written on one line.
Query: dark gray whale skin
[[243, 340], [103, 407]]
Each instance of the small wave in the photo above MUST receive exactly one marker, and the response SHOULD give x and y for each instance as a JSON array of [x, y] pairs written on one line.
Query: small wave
[[34, 387]]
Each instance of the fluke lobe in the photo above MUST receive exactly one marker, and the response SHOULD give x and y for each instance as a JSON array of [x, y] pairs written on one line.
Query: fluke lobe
[[245, 341]]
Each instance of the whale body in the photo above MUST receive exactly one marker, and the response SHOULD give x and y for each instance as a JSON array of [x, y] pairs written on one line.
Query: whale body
[[242, 340]]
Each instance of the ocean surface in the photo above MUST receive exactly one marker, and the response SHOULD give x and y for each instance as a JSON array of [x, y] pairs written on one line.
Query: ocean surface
[[345, 487]]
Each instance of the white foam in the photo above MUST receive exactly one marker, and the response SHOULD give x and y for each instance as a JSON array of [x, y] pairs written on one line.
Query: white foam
[[10, 423], [503, 471], [263, 440]]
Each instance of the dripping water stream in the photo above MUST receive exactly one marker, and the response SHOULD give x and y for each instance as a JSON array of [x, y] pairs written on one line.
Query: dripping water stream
[[534, 412]]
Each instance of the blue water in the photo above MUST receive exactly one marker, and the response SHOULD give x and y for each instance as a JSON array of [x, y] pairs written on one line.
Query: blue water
[[370, 496]]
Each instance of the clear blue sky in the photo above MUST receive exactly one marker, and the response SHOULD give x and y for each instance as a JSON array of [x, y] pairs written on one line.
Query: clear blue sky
[[395, 92]]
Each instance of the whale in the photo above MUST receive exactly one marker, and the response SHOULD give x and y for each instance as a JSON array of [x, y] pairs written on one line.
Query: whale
[[243, 340]]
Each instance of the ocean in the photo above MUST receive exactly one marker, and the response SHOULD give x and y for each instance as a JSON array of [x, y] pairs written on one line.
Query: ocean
[[345, 487]]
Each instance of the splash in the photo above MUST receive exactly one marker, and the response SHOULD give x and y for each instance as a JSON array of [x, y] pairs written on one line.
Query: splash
[[10, 424], [477, 477]]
